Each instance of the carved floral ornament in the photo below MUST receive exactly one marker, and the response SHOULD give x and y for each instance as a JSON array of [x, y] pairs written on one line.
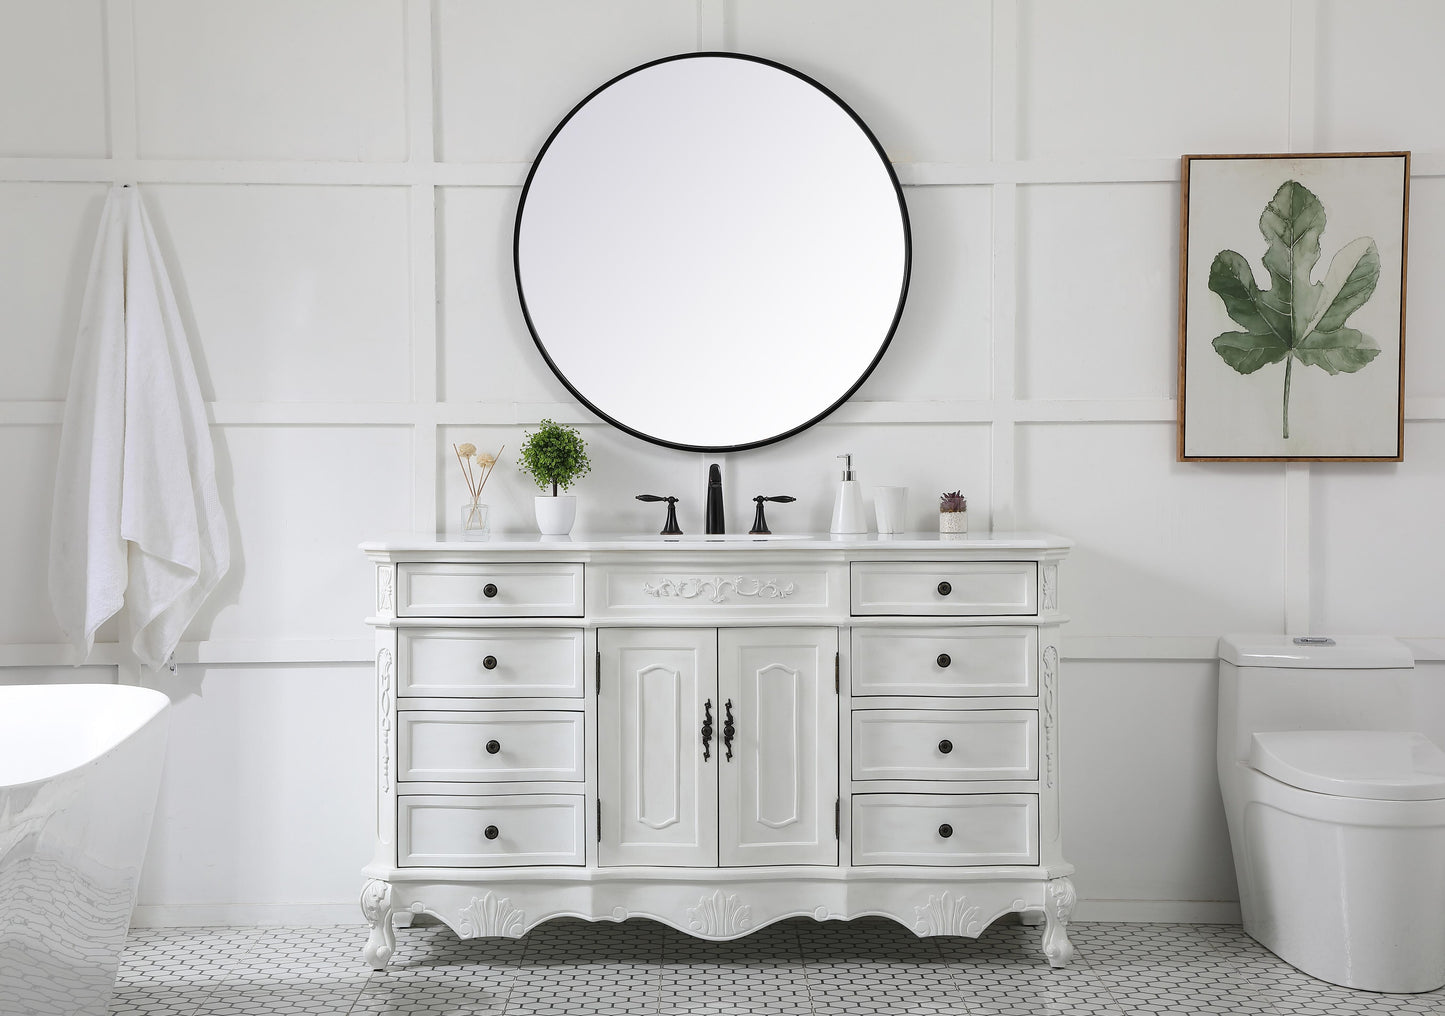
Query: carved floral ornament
[[946, 915], [1051, 587], [717, 589], [384, 599], [490, 916], [383, 673], [720, 914], [1050, 708]]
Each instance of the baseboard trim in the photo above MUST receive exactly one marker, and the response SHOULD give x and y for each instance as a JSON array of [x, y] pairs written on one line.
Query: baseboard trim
[[245, 915], [1159, 911]]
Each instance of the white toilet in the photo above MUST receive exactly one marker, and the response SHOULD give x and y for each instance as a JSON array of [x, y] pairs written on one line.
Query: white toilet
[[1336, 808]]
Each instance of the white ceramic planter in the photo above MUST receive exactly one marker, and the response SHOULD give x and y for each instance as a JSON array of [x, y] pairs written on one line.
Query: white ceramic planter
[[555, 515]]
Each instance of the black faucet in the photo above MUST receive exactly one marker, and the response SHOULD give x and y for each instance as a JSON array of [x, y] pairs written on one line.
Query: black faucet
[[715, 523]]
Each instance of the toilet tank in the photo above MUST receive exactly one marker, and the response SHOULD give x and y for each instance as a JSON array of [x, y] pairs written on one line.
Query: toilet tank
[[1276, 682]]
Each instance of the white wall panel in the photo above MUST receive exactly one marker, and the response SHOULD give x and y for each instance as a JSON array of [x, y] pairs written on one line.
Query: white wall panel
[[1424, 299], [484, 351], [928, 460], [622, 467], [1098, 291], [299, 500], [52, 75], [1142, 817], [31, 453], [1162, 547], [507, 73], [270, 79], [266, 796], [293, 293], [940, 351], [1138, 78], [1376, 63], [916, 71], [42, 282], [57, 675], [1376, 550]]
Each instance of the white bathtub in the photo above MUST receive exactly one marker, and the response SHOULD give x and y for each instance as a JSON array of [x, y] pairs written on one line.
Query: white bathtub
[[80, 767]]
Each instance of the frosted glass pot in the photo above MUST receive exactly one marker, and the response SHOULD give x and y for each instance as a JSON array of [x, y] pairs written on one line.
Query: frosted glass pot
[[476, 521], [891, 506]]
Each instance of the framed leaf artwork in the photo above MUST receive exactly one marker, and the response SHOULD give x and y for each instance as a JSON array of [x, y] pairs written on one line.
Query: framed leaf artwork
[[1292, 306]]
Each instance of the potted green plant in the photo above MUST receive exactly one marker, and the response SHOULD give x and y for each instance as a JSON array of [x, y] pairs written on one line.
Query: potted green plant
[[554, 456]]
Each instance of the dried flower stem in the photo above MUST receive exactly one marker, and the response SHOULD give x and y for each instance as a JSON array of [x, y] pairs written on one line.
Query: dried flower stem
[[474, 486]]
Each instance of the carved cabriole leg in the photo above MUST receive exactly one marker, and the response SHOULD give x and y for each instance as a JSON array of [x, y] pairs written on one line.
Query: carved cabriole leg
[[1058, 906], [376, 906]]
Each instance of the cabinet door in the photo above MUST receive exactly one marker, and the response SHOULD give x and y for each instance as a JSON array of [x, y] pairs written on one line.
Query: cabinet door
[[778, 792], [657, 793]]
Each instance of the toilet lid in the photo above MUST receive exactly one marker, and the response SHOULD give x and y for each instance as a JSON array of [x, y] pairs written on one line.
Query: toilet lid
[[1382, 765]]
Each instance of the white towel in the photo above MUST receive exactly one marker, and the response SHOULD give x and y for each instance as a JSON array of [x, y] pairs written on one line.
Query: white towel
[[136, 520]]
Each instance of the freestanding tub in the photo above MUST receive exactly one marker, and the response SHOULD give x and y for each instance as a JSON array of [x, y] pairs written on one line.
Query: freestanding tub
[[80, 768]]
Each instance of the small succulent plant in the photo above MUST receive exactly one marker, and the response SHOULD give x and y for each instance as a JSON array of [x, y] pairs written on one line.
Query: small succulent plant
[[954, 502]]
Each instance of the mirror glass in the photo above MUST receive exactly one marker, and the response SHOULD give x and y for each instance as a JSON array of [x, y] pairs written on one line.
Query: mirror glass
[[712, 252]]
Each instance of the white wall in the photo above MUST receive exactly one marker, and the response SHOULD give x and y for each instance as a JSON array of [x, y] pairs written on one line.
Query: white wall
[[334, 183]]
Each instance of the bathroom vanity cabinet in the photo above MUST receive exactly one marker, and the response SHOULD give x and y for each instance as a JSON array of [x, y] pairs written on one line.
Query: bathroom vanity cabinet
[[718, 733]]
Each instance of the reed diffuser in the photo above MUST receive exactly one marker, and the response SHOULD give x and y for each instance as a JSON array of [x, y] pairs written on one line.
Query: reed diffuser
[[476, 469]]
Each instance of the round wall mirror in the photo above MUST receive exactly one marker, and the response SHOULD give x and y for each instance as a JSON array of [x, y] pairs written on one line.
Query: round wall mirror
[[712, 251]]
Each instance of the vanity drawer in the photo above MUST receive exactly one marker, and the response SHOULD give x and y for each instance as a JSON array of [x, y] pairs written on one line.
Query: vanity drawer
[[945, 744], [436, 589], [445, 746], [490, 832], [945, 829], [490, 662], [926, 587], [946, 661]]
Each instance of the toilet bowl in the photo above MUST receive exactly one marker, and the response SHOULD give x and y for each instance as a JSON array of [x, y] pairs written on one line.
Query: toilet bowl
[[1336, 809]]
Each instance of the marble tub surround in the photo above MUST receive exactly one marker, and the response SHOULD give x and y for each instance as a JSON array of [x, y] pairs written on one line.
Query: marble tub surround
[[718, 734]]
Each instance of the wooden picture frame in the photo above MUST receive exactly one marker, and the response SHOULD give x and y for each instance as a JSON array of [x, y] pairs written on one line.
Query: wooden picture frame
[[1249, 226]]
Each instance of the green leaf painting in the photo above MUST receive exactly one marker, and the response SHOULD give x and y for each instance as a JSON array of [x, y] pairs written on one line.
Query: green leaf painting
[[1296, 319]]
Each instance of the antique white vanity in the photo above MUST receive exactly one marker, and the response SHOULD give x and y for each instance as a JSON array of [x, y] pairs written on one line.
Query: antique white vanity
[[718, 734]]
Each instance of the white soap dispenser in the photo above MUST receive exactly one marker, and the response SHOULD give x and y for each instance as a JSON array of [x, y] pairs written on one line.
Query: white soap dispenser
[[848, 517]]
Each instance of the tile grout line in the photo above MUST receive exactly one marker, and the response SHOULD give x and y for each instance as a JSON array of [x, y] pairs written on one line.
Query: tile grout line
[[803, 962], [952, 974], [516, 970]]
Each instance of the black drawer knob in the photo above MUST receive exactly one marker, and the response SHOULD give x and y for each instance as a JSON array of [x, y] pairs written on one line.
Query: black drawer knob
[[945, 746], [489, 590], [945, 830], [495, 746], [492, 832], [944, 659], [490, 662], [944, 588]]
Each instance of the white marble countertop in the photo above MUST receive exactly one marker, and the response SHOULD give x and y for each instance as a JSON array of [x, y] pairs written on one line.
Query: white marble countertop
[[513, 542]]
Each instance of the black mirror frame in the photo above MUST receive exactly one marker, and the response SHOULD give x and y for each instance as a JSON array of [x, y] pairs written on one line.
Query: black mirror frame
[[883, 345]]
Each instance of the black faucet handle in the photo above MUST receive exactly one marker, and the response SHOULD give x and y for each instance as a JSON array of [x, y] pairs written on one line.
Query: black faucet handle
[[670, 527], [760, 524]]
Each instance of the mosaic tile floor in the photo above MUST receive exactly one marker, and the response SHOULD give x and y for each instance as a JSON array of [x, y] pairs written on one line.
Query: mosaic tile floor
[[861, 968]]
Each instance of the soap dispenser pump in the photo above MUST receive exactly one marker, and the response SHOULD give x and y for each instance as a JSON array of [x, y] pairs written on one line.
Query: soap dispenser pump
[[848, 517]]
